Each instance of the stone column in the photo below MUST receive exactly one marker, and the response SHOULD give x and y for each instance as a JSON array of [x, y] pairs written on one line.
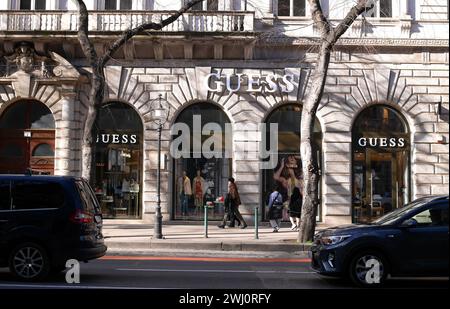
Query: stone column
[[65, 136]]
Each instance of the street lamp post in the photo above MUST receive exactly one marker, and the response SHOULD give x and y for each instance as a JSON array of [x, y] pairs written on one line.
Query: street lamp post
[[160, 112]]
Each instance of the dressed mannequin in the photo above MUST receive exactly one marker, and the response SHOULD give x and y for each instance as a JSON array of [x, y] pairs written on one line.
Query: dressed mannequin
[[185, 190], [198, 188]]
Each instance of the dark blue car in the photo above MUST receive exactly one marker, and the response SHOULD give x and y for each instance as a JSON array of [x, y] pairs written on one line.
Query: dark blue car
[[410, 241], [45, 221]]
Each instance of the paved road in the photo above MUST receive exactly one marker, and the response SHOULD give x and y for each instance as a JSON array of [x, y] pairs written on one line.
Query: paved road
[[202, 273]]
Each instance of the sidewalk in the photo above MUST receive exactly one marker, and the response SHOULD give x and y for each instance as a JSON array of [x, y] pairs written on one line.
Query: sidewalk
[[121, 237]]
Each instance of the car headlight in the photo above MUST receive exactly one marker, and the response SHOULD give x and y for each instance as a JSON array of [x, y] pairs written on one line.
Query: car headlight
[[332, 240]]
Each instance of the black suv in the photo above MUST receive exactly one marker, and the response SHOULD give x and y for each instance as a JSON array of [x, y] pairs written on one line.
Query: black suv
[[410, 241], [45, 221]]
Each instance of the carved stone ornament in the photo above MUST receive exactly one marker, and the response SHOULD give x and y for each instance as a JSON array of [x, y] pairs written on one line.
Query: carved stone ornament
[[26, 60]]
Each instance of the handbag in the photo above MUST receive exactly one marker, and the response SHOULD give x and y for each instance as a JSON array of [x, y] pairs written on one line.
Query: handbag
[[276, 210]]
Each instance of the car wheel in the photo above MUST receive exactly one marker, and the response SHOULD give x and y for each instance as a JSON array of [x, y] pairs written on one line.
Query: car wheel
[[368, 269], [29, 262]]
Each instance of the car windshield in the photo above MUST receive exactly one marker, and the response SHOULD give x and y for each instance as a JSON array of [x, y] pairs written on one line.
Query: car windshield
[[394, 215]]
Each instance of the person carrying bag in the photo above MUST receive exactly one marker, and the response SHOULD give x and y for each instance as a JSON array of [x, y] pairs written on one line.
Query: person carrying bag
[[275, 209]]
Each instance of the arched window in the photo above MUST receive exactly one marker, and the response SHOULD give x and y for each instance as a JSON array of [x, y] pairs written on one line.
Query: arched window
[[43, 150], [287, 173], [27, 114], [118, 133], [380, 171], [203, 171], [27, 131]]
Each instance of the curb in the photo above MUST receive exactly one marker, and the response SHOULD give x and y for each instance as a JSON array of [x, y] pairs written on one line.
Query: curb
[[212, 246]]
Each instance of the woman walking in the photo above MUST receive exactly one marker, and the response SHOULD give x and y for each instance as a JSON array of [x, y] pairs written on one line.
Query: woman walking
[[232, 202], [295, 209]]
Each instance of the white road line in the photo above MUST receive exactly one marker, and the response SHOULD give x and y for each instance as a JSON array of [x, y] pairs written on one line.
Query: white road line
[[215, 271], [66, 286]]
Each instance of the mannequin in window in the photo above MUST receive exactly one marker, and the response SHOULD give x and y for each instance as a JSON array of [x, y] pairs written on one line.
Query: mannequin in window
[[185, 191], [126, 191], [198, 188]]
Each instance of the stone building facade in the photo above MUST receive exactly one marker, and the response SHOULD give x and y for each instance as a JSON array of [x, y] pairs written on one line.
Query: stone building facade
[[389, 73]]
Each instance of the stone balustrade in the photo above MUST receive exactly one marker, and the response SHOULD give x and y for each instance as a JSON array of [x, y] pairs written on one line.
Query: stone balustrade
[[201, 21]]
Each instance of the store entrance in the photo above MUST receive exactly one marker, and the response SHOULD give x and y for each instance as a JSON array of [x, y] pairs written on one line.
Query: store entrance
[[118, 161], [380, 164], [380, 183]]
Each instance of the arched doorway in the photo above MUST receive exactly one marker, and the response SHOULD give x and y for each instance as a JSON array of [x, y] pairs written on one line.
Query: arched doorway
[[380, 170], [27, 138], [288, 173], [118, 131], [200, 174]]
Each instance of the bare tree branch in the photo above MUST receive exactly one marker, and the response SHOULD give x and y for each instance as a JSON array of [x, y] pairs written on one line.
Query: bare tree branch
[[97, 64], [352, 15], [128, 34]]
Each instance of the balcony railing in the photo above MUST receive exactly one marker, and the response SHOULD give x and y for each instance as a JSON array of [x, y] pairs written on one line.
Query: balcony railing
[[198, 21]]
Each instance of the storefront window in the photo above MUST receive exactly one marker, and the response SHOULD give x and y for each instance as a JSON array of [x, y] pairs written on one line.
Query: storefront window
[[288, 172], [381, 146], [118, 160], [201, 177]]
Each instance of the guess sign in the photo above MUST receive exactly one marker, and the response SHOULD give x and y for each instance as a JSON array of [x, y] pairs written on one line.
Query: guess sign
[[382, 142], [116, 139]]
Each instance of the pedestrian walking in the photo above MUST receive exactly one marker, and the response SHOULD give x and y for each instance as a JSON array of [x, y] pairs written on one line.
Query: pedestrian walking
[[275, 209], [295, 209], [232, 202], [235, 214]]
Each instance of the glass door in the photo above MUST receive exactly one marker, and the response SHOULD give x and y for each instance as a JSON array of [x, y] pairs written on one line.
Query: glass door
[[379, 183]]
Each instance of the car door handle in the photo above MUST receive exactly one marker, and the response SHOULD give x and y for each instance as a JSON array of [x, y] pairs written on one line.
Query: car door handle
[[390, 236]]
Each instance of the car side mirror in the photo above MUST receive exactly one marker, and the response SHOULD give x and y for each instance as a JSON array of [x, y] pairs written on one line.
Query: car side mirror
[[409, 223]]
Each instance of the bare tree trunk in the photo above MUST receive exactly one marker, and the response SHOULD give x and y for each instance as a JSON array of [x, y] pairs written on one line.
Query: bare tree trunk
[[309, 163], [329, 37], [88, 142]]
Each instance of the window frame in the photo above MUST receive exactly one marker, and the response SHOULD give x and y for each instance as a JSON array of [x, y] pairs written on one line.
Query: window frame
[[292, 10], [32, 6], [377, 10], [118, 6]]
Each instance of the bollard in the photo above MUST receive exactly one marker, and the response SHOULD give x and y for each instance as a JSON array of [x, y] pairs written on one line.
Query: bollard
[[256, 222], [206, 221]]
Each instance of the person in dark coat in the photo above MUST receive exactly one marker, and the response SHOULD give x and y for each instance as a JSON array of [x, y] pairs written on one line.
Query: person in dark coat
[[235, 214], [295, 208], [232, 202]]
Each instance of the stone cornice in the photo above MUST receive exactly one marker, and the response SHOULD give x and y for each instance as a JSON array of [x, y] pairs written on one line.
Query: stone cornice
[[363, 42]]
